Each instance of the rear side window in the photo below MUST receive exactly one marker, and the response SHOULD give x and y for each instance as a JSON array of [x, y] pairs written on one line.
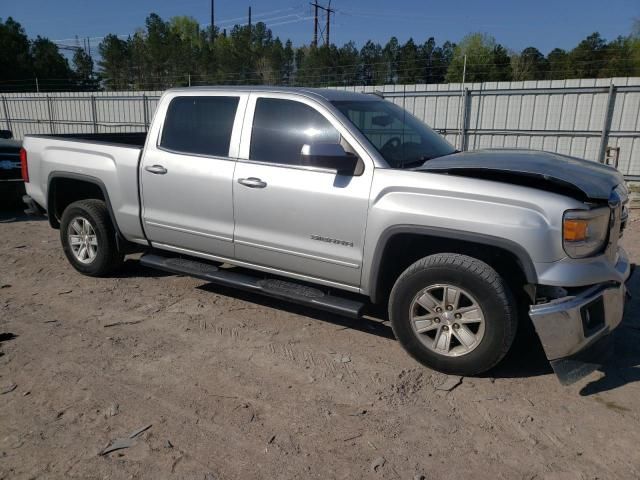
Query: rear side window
[[282, 127], [200, 125]]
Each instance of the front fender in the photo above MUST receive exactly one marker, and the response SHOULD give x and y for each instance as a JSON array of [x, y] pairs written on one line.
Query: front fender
[[522, 220]]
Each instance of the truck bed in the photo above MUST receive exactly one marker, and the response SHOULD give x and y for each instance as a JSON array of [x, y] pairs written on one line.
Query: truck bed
[[108, 160]]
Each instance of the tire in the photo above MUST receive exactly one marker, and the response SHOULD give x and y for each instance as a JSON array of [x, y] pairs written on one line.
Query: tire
[[473, 347], [101, 255]]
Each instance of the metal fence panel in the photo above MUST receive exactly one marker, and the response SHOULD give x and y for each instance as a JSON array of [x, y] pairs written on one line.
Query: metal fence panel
[[579, 117]]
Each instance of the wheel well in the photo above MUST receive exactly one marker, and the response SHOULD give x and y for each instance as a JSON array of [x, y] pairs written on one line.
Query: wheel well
[[403, 249], [65, 191]]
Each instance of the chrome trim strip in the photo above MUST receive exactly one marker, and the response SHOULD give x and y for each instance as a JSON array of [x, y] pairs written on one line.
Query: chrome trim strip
[[288, 165]]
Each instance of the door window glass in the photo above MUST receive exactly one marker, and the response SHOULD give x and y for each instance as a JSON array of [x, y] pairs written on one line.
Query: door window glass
[[282, 127], [200, 125]]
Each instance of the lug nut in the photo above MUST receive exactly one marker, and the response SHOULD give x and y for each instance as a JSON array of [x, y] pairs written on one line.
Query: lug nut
[[436, 320], [445, 328], [449, 307], [438, 309], [458, 316], [456, 326]]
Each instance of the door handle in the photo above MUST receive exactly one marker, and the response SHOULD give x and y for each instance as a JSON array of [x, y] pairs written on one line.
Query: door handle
[[252, 182], [156, 169]]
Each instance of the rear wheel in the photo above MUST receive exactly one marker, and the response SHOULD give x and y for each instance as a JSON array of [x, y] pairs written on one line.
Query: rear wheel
[[453, 313], [88, 238]]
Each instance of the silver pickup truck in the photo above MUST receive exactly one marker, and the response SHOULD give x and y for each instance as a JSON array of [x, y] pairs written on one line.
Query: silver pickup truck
[[339, 200]]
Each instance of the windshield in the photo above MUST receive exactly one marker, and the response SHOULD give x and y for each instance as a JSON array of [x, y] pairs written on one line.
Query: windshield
[[402, 139]]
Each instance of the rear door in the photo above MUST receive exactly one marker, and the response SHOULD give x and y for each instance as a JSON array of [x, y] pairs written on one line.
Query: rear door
[[187, 173], [290, 216]]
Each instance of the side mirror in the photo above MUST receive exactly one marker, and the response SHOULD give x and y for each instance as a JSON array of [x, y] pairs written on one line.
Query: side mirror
[[6, 134], [329, 155]]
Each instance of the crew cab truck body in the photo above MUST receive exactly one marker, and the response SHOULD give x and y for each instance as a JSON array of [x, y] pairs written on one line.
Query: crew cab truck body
[[336, 199]]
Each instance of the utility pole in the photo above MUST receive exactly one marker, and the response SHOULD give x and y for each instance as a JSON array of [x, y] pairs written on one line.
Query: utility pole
[[327, 29], [249, 20], [213, 34], [329, 11], [315, 24]]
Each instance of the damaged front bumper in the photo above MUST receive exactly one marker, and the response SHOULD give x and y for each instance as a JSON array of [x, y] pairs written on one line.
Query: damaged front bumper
[[574, 330]]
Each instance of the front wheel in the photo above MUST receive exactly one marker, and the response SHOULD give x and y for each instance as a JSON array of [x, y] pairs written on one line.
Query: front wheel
[[453, 313], [88, 238]]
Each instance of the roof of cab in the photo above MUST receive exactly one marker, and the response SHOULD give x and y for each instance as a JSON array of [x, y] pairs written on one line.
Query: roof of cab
[[327, 94]]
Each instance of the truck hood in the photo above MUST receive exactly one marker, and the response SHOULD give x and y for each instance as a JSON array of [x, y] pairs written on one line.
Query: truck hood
[[532, 168]]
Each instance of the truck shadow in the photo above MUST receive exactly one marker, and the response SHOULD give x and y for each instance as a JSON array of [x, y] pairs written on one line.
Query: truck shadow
[[525, 359], [16, 215], [131, 268], [371, 323]]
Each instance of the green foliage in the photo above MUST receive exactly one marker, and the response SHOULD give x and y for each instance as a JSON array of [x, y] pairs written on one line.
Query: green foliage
[[530, 64], [15, 56], [38, 64], [179, 52]]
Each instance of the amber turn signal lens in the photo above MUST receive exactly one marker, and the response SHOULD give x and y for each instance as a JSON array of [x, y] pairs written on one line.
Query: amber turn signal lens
[[575, 230]]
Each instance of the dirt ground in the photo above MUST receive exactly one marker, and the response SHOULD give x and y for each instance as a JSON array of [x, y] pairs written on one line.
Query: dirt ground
[[240, 386]]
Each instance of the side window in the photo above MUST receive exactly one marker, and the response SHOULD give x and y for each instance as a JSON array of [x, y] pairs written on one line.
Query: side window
[[200, 125], [282, 127]]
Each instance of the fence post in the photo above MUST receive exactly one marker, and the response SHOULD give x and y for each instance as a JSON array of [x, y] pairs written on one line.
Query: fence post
[[145, 109], [606, 123], [464, 129], [49, 108], [94, 114], [6, 112]]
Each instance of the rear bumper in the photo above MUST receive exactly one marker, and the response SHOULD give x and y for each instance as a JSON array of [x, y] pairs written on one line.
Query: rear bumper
[[32, 207], [574, 329]]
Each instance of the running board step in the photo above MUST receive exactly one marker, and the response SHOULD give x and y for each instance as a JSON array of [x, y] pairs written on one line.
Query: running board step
[[282, 289]]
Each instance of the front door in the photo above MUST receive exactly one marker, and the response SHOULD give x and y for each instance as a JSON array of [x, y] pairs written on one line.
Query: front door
[[186, 177], [294, 217]]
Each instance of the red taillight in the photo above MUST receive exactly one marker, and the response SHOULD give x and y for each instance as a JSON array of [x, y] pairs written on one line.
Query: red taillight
[[23, 165]]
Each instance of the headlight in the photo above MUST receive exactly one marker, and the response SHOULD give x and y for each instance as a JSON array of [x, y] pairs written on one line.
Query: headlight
[[584, 232]]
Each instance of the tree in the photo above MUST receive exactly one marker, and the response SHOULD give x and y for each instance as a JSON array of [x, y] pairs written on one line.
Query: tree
[[635, 47], [530, 64], [83, 70], [289, 63], [390, 56], [409, 61], [436, 60], [49, 65], [371, 65], [15, 56], [500, 68], [558, 61], [115, 63], [486, 60], [175, 52], [587, 59]]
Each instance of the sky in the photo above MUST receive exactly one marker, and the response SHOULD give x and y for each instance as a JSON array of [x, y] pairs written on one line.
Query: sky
[[516, 24]]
